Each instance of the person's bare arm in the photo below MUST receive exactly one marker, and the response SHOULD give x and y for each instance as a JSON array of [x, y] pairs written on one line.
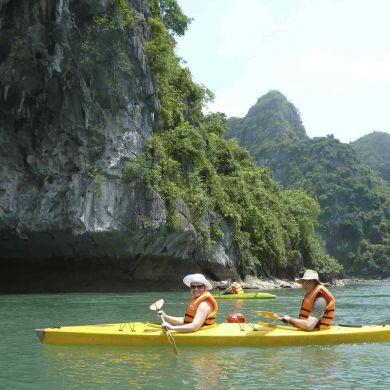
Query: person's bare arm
[[307, 324], [310, 322], [203, 310]]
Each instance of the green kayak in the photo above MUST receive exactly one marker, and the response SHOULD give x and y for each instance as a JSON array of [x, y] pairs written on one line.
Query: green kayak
[[248, 295]]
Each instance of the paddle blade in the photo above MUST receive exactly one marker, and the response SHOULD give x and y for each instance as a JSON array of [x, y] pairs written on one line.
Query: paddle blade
[[268, 314], [157, 305]]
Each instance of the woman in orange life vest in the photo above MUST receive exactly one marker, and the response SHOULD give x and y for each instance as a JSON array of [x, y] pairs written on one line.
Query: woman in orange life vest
[[318, 305], [201, 309]]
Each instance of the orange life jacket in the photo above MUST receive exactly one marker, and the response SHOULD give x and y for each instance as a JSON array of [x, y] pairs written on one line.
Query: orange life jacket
[[193, 305], [236, 288], [308, 305]]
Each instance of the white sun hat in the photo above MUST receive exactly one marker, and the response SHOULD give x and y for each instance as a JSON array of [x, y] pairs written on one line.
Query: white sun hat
[[197, 278], [309, 275]]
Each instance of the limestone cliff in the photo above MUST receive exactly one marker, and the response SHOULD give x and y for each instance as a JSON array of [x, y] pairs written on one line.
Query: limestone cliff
[[77, 99]]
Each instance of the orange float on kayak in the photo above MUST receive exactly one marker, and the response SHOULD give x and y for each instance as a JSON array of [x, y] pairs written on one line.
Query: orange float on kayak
[[235, 317]]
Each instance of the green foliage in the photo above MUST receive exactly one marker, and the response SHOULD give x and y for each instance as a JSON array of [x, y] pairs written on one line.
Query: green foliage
[[326, 265], [170, 13], [181, 99], [123, 60], [137, 168], [104, 49], [98, 180], [216, 233], [354, 201], [216, 124], [119, 16], [210, 174], [272, 121], [374, 150]]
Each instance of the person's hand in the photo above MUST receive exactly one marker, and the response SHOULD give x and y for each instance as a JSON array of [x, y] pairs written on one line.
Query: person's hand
[[286, 319], [166, 326], [161, 313]]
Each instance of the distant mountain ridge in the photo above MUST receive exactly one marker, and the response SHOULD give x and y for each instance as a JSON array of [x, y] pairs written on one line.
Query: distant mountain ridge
[[355, 202], [374, 150]]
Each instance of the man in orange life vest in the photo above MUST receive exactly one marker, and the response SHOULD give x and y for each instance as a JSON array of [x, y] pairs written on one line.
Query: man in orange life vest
[[318, 305], [201, 309]]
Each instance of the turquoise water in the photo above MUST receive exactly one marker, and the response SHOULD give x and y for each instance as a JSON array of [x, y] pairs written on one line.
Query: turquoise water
[[27, 364]]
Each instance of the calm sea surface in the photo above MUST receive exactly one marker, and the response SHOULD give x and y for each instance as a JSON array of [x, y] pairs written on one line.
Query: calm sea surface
[[27, 364]]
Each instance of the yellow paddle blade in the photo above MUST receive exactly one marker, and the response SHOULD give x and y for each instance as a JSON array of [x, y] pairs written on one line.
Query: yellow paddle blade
[[269, 314], [157, 305]]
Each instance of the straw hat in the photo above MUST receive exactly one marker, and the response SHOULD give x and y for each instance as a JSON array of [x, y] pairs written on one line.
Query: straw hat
[[197, 278], [309, 275]]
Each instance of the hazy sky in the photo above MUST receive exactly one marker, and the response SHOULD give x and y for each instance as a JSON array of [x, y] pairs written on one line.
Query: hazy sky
[[330, 58]]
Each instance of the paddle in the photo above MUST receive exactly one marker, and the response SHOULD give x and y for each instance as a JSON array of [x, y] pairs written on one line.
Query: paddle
[[226, 290], [270, 314], [157, 306]]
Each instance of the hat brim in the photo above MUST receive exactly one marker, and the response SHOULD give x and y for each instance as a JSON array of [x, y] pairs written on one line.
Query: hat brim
[[300, 280], [197, 278]]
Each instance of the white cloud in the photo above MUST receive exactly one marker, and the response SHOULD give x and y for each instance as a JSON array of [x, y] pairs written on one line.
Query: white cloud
[[244, 29], [328, 66], [229, 107], [330, 58]]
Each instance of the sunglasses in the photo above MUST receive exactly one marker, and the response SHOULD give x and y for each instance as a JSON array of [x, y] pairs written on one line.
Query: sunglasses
[[197, 286]]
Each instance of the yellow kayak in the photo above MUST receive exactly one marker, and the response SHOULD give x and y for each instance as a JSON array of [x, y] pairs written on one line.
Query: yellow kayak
[[224, 334], [248, 295]]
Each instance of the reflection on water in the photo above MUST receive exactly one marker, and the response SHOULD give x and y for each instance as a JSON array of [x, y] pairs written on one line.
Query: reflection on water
[[106, 368], [27, 364], [324, 367]]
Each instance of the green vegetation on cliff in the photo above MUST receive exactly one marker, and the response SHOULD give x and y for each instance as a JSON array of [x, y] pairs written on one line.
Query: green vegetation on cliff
[[188, 160], [276, 116], [374, 150], [355, 203]]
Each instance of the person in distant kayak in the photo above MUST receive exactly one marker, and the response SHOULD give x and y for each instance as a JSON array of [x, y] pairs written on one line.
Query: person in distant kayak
[[318, 305], [235, 288], [201, 309]]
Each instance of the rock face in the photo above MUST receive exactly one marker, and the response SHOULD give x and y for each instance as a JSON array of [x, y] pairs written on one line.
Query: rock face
[[272, 118], [77, 99], [270, 128]]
